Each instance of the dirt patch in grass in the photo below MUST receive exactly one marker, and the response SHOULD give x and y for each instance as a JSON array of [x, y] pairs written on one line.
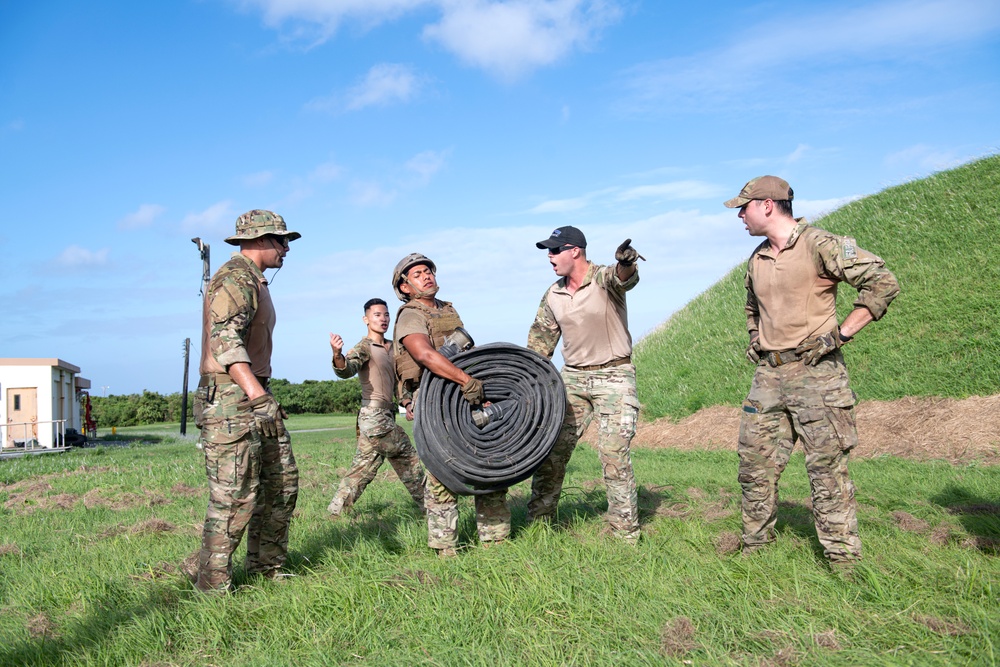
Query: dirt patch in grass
[[727, 543], [147, 527], [185, 490], [955, 430], [412, 579], [40, 626], [827, 640], [940, 626], [9, 548], [941, 535], [909, 523], [677, 637]]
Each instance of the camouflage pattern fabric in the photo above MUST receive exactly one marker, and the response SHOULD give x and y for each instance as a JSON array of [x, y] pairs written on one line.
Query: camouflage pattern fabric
[[492, 515], [380, 438], [233, 299], [253, 483], [813, 405], [611, 393]]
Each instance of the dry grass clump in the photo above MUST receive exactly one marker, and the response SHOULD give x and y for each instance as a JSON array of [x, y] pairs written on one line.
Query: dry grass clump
[[677, 637]]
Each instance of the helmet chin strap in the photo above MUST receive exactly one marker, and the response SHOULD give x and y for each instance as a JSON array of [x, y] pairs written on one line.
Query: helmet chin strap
[[270, 281], [419, 293]]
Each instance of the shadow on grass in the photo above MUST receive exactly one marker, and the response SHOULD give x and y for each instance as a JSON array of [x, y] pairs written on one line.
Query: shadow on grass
[[797, 519], [79, 639], [980, 517], [377, 521]]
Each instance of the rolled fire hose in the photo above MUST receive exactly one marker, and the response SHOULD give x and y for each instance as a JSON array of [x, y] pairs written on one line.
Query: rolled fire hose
[[473, 452]]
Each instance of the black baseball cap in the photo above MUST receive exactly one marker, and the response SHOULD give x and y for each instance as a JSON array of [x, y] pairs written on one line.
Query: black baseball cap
[[563, 236]]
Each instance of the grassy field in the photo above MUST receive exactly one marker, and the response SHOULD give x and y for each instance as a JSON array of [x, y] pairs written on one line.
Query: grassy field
[[92, 540], [939, 338]]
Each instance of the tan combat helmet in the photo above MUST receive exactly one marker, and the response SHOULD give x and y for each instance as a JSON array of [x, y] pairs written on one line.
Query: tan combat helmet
[[256, 223], [405, 265]]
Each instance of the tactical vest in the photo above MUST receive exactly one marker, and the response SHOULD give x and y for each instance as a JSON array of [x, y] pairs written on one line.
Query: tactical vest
[[441, 322]]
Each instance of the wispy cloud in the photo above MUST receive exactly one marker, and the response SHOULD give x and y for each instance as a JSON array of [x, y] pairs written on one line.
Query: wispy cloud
[[15, 125], [923, 158], [507, 39], [384, 84], [257, 180], [219, 218], [326, 172], [75, 258], [837, 43], [145, 216], [666, 191]]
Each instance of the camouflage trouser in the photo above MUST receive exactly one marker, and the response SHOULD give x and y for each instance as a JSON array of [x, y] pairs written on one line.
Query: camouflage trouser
[[611, 393], [380, 438], [815, 406], [492, 515], [253, 484]]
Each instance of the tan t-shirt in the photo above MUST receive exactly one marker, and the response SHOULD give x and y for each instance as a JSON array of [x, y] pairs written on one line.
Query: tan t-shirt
[[593, 321], [792, 295], [373, 365]]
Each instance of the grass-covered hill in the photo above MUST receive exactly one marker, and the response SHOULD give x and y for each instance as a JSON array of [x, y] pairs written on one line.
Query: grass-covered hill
[[941, 337]]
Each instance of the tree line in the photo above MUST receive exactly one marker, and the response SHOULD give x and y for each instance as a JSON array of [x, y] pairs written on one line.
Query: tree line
[[150, 407]]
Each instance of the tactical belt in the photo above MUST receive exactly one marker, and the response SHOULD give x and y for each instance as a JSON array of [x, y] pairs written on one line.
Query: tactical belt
[[371, 403], [611, 364], [781, 357], [212, 379]]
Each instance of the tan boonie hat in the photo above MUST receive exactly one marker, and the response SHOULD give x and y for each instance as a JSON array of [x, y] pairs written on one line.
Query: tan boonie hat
[[762, 187], [256, 223]]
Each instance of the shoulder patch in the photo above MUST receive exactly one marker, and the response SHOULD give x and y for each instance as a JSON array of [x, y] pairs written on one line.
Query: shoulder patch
[[849, 249]]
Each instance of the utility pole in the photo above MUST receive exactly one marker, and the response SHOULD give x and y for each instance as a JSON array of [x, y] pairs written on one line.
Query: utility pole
[[206, 277], [184, 399]]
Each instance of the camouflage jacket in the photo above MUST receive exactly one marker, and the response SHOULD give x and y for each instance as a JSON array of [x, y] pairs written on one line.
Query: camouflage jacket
[[239, 319]]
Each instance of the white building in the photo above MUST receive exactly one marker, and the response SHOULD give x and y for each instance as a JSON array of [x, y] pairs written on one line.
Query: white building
[[40, 400]]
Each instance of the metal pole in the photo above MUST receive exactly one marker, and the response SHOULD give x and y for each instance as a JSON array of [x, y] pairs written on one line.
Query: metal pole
[[184, 399], [206, 276]]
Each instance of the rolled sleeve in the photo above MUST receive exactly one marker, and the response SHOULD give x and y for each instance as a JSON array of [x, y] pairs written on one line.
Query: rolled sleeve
[[862, 270], [543, 336], [231, 310]]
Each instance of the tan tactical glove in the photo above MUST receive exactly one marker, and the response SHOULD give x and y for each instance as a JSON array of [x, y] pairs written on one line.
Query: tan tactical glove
[[626, 254], [473, 391], [753, 350], [812, 350], [267, 415]]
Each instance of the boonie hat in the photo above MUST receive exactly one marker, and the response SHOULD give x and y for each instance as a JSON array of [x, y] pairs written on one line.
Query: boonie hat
[[256, 223], [568, 235], [762, 187]]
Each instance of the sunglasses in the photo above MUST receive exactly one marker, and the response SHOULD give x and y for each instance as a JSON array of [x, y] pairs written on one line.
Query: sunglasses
[[556, 251], [282, 241]]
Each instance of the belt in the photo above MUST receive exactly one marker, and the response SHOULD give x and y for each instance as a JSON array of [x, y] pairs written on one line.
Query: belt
[[611, 364], [781, 357], [212, 379], [371, 403]]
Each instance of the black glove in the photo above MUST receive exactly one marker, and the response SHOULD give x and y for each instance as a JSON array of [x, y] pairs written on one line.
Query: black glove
[[473, 391], [626, 254], [812, 350], [753, 350], [267, 415]]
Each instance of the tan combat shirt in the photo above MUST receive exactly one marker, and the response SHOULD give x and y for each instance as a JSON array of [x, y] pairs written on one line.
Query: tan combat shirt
[[238, 319], [374, 367], [593, 322], [792, 295]]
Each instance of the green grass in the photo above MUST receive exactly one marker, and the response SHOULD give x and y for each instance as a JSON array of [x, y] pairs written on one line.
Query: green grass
[[88, 571], [940, 337]]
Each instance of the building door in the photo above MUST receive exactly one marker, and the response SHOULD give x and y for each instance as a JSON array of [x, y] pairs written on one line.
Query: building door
[[22, 415]]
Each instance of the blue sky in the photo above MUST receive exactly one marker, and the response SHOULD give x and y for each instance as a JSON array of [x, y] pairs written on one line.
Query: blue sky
[[466, 130]]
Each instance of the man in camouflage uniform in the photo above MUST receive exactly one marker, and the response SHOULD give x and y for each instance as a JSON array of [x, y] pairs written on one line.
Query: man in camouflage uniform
[[800, 389], [252, 477], [422, 324], [587, 308], [379, 436]]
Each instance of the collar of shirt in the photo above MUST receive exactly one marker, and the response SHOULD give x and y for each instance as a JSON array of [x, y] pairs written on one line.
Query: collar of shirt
[[799, 228], [253, 266], [591, 270]]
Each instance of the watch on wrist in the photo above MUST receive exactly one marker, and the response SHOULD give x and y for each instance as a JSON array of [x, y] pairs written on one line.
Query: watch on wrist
[[843, 338]]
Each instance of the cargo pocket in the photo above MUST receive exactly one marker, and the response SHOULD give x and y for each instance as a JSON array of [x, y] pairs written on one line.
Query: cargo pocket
[[227, 450], [198, 407]]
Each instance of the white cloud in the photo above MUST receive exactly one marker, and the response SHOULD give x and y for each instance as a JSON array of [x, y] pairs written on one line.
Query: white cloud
[[75, 257], [512, 38], [561, 205], [923, 158], [219, 218], [145, 216], [384, 84], [835, 40], [675, 190], [816, 208], [425, 165], [507, 39], [369, 193]]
